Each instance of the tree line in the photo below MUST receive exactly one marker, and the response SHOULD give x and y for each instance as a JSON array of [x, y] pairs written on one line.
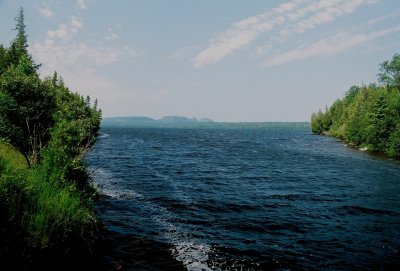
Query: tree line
[[369, 115], [34, 111], [47, 201]]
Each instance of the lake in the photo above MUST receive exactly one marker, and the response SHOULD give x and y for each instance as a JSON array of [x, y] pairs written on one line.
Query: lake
[[245, 197]]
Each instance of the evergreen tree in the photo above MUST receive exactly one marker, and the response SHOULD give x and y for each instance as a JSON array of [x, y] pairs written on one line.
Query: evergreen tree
[[3, 53], [368, 116], [390, 73], [26, 105], [21, 39], [19, 45]]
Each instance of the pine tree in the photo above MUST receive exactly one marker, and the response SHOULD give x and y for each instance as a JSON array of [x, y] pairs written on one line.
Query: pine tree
[[19, 45], [26, 104], [21, 40]]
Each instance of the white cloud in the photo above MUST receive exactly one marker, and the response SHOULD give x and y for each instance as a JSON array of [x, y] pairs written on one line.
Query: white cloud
[[46, 12], [327, 11], [112, 34], [339, 42], [175, 55], [61, 50], [373, 21], [76, 62], [64, 55], [65, 31], [81, 4], [61, 32], [76, 25], [183, 52], [242, 34], [77, 59], [224, 46], [296, 16], [111, 37]]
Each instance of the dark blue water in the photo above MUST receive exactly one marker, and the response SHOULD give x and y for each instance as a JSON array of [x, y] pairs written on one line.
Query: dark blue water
[[272, 198]]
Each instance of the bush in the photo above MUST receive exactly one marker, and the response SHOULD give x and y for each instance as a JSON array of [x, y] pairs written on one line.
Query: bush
[[394, 143]]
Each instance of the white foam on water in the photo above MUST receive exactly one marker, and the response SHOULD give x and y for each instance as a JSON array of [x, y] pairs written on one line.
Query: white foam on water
[[106, 184], [186, 249], [193, 256], [102, 135]]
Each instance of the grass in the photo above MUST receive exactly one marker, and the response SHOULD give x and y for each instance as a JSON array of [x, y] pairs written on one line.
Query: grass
[[59, 211], [40, 213], [8, 153]]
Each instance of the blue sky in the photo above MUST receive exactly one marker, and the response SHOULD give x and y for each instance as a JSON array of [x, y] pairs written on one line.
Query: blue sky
[[229, 60]]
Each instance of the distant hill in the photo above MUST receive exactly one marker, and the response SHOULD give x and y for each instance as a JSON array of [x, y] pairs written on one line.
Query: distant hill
[[136, 121], [205, 120], [194, 123], [128, 119], [177, 119]]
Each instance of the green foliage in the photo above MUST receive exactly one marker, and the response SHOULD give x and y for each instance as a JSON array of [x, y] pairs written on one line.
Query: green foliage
[[45, 130], [357, 121], [18, 47], [25, 103], [26, 108], [394, 142], [8, 152], [389, 72], [48, 211], [22, 38], [3, 64], [318, 125], [367, 116], [74, 132], [60, 212], [12, 187]]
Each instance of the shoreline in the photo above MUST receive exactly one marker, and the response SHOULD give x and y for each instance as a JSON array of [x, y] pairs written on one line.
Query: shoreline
[[360, 147]]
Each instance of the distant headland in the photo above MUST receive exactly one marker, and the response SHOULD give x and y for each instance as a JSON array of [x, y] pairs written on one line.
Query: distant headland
[[186, 122], [128, 121]]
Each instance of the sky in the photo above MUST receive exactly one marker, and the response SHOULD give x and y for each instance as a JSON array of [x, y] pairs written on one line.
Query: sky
[[228, 60]]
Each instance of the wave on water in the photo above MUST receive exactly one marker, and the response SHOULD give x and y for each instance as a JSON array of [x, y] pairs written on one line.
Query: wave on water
[[203, 199], [357, 210], [106, 184], [186, 249], [193, 256], [102, 135]]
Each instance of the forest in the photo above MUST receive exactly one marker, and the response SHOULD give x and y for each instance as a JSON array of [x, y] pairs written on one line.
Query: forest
[[368, 116], [47, 219]]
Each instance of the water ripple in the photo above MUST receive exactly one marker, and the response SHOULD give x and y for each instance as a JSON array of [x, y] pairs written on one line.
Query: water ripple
[[245, 199]]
